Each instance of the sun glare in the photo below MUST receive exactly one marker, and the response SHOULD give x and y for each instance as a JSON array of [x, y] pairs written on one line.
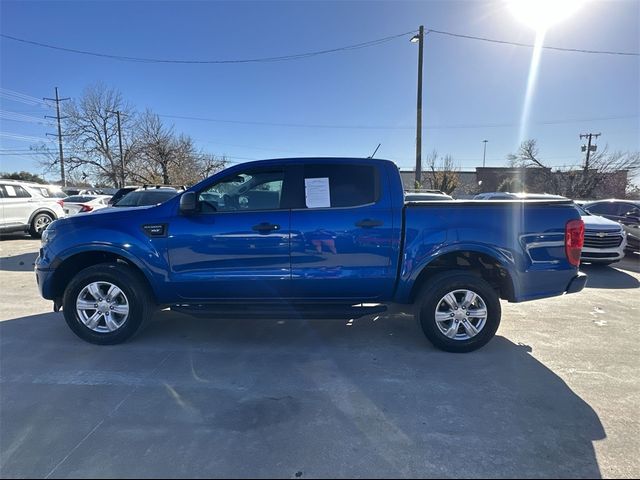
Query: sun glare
[[540, 15], [543, 14]]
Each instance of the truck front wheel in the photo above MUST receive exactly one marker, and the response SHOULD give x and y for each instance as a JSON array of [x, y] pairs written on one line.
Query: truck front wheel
[[458, 312], [107, 303]]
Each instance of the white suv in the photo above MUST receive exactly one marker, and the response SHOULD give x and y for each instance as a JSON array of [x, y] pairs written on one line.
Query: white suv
[[24, 208]]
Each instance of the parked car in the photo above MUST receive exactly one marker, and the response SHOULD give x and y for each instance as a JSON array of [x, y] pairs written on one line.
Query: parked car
[[284, 241], [24, 208], [604, 240], [46, 190], [426, 196], [146, 196], [517, 196], [84, 203], [122, 192], [625, 212], [494, 196], [81, 191]]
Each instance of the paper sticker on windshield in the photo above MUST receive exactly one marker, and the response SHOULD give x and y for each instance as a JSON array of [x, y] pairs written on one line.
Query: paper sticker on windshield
[[317, 192]]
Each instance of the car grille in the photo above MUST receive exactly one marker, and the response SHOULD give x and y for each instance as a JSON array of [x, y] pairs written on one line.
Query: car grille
[[595, 239], [587, 256]]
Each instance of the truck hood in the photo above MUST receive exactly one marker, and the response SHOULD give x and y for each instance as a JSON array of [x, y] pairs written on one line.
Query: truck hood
[[102, 214], [595, 222]]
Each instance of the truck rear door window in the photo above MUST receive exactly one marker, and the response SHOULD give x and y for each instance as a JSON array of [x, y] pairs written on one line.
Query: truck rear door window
[[349, 185]]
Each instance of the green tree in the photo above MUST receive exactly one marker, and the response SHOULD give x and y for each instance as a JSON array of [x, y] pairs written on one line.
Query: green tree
[[23, 176]]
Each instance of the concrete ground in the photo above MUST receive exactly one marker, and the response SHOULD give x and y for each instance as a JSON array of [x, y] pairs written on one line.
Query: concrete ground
[[555, 394]]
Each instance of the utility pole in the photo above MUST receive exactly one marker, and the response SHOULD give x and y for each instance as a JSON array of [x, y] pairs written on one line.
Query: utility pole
[[59, 118], [484, 155], [420, 39], [117, 112], [588, 148]]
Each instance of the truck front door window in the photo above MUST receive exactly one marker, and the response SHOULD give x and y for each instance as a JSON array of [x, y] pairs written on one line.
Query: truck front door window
[[244, 192]]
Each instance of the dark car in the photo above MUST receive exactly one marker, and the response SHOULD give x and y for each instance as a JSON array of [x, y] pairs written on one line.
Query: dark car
[[147, 196], [121, 193], [625, 212]]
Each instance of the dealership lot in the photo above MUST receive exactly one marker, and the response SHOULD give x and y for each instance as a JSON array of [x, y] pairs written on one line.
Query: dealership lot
[[555, 394]]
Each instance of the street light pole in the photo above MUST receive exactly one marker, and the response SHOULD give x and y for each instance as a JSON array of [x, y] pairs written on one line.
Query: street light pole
[[420, 39], [484, 155]]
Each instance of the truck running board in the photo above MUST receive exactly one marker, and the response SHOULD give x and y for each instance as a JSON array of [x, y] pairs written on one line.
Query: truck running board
[[281, 311]]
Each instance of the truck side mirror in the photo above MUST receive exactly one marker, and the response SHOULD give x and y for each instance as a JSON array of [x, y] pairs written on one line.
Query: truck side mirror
[[188, 203]]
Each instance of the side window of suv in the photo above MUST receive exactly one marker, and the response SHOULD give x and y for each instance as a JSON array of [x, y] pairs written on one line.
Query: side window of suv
[[15, 191], [334, 186]]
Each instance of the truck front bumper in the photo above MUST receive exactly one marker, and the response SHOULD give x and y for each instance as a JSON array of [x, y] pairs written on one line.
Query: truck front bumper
[[44, 279], [577, 283]]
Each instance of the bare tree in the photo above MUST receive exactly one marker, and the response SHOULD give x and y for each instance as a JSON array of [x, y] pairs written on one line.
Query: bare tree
[[90, 130], [211, 164], [442, 173], [606, 172], [167, 158], [152, 151], [527, 155], [156, 150]]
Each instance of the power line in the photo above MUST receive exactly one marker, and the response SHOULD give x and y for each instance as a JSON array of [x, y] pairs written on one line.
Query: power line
[[281, 58], [14, 96], [392, 127], [27, 152], [528, 45], [20, 117], [17, 136], [299, 56]]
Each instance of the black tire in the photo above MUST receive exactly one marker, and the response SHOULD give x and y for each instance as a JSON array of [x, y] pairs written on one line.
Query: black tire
[[35, 228], [130, 282], [431, 295]]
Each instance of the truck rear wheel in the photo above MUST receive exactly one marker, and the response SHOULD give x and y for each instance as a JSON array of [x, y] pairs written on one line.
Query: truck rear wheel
[[107, 303], [458, 312]]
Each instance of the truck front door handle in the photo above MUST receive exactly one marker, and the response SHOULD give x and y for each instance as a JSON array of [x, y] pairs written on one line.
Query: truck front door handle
[[369, 223], [265, 227]]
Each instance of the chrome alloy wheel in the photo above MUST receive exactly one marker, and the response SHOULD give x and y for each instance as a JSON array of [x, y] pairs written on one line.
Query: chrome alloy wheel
[[461, 314], [102, 307], [42, 222]]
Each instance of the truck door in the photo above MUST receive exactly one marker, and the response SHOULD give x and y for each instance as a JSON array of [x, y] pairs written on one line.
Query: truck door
[[237, 244], [342, 235]]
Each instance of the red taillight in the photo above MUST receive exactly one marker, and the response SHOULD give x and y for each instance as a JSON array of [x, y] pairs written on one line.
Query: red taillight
[[574, 241], [85, 208], [61, 203]]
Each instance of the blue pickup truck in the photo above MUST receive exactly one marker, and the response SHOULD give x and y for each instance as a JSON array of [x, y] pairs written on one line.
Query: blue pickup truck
[[308, 237]]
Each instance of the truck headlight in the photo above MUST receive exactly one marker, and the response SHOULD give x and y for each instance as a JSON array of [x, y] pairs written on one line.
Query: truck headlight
[[47, 236]]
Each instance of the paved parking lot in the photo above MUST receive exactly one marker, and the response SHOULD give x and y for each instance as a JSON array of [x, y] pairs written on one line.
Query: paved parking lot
[[556, 394]]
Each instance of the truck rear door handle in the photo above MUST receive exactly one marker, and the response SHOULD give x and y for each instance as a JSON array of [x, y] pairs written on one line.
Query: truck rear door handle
[[369, 223], [266, 227]]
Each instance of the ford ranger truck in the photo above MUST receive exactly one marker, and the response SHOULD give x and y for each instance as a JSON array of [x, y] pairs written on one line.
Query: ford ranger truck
[[310, 237]]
